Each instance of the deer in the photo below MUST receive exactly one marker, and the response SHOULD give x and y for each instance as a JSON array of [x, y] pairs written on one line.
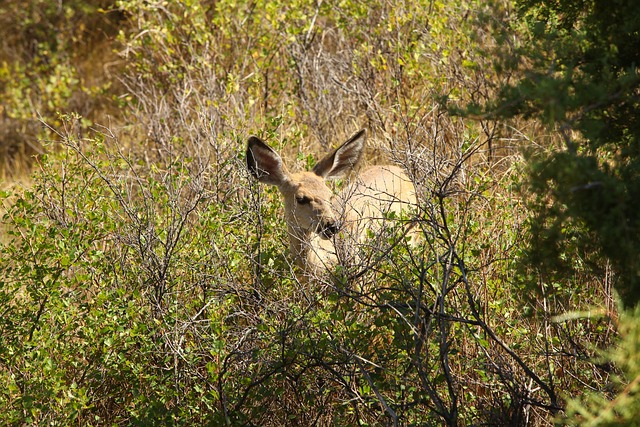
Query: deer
[[320, 222]]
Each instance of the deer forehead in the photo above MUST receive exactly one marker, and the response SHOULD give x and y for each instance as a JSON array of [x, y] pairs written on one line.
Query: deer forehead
[[310, 185]]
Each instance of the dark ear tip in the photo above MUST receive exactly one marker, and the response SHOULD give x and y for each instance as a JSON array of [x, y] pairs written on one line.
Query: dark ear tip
[[253, 140], [358, 135]]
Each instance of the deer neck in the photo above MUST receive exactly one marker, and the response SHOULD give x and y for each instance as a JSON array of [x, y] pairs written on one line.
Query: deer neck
[[310, 252], [299, 244]]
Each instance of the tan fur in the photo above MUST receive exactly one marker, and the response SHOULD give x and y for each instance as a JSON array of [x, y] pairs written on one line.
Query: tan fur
[[316, 218]]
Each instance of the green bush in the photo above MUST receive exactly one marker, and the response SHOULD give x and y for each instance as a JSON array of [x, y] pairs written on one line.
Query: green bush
[[146, 279], [96, 327], [621, 405], [581, 79], [50, 61]]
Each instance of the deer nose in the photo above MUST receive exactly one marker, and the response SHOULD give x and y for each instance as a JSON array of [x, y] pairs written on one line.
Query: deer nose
[[329, 229]]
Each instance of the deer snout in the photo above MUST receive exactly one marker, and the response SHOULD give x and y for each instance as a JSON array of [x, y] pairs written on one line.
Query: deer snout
[[328, 229]]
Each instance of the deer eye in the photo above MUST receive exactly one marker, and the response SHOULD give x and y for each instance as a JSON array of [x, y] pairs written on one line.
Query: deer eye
[[303, 200]]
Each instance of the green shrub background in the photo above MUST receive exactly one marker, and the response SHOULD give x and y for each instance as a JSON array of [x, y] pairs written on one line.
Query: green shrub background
[[145, 278]]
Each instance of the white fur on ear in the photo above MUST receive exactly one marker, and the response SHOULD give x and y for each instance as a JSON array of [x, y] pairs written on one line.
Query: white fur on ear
[[264, 163], [342, 159]]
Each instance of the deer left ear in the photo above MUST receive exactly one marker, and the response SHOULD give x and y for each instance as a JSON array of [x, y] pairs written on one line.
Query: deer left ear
[[264, 163], [343, 159]]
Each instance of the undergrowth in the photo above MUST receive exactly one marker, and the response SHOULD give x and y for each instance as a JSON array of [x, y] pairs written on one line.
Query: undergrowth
[[145, 278]]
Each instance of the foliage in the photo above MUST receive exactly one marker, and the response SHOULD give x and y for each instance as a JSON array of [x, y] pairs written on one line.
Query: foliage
[[581, 77], [145, 279], [46, 66], [92, 331], [596, 409]]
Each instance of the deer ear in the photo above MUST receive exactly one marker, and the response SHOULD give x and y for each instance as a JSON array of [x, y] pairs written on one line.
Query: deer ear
[[265, 164], [342, 159]]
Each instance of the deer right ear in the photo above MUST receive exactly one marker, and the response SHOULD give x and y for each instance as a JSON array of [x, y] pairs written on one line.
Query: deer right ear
[[264, 164], [343, 159]]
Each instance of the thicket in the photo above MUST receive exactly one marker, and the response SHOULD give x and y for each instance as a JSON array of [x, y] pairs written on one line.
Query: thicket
[[54, 57], [581, 80], [145, 278]]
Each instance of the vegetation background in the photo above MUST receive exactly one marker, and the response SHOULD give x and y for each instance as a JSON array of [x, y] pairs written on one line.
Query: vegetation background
[[145, 278]]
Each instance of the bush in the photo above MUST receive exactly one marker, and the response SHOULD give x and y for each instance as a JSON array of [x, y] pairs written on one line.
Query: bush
[[582, 80], [146, 280], [51, 60]]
